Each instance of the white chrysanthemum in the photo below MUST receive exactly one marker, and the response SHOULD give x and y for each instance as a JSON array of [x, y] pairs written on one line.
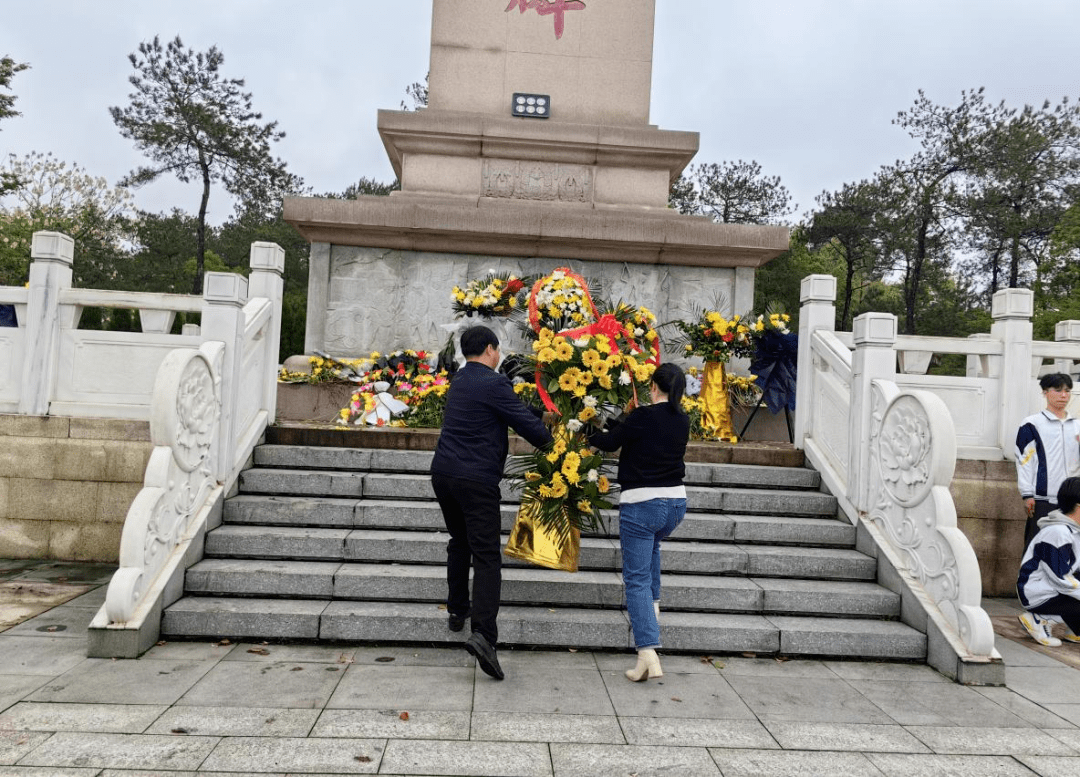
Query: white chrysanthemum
[[624, 378], [589, 401], [581, 342], [593, 475], [693, 386], [557, 275], [574, 425], [638, 331]]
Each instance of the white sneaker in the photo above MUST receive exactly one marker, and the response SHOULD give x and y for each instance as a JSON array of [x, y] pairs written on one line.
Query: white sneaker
[[1070, 636], [1038, 629]]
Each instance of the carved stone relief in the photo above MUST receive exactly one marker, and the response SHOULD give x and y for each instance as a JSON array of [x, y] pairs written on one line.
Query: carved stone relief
[[537, 181]]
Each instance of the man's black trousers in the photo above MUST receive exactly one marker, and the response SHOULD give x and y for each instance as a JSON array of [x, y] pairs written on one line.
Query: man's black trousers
[[471, 512]]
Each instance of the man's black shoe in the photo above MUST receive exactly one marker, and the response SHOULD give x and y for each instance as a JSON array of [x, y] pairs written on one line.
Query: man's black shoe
[[485, 656], [457, 622]]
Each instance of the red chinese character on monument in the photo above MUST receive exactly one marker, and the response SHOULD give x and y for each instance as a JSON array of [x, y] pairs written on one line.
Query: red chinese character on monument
[[556, 8]]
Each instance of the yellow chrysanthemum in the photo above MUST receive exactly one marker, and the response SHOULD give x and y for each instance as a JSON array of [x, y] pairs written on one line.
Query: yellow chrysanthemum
[[603, 484], [546, 492], [560, 446], [564, 352], [546, 334], [567, 382], [547, 355], [603, 346], [587, 414], [600, 368], [580, 391], [605, 382], [585, 506], [533, 476], [552, 457], [590, 357]]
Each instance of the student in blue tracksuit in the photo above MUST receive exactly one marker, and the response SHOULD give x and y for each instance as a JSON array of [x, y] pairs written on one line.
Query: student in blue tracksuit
[[1047, 450], [1047, 584]]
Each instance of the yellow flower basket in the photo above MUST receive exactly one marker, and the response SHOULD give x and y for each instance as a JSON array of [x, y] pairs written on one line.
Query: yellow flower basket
[[530, 541]]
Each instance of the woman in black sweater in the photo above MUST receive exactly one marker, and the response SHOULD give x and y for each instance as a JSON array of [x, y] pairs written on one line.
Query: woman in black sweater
[[652, 502]]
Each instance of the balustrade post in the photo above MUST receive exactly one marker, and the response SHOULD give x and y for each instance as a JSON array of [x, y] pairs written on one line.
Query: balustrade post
[[50, 272], [817, 297], [874, 359], [224, 296], [1011, 310], [1066, 332], [266, 280]]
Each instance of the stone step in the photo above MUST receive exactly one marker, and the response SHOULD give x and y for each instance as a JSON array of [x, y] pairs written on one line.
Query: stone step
[[414, 547], [375, 485], [532, 585], [394, 514], [412, 622], [358, 459]]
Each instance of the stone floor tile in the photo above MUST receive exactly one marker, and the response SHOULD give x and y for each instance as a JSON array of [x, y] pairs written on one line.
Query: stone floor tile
[[140, 773], [14, 745], [68, 771], [541, 690], [533, 727], [1044, 684], [697, 732], [10, 567], [14, 688], [937, 704], [1038, 715], [885, 671], [101, 718], [490, 759], [966, 740], [311, 654], [1068, 712], [1070, 737], [74, 572], [676, 696], [92, 599], [571, 760], [808, 699], [258, 754], [392, 724], [611, 662], [403, 688], [409, 655], [766, 763], [59, 623], [280, 684], [1050, 765], [915, 765], [236, 721], [845, 737], [771, 667], [1016, 654], [1001, 605], [104, 681], [41, 655], [188, 651], [122, 751]]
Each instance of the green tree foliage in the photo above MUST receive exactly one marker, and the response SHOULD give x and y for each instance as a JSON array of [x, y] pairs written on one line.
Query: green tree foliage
[[61, 197], [193, 123], [8, 69], [731, 193]]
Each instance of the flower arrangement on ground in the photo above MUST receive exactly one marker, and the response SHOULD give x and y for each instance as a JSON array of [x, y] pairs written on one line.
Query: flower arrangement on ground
[[489, 297], [715, 338], [416, 402]]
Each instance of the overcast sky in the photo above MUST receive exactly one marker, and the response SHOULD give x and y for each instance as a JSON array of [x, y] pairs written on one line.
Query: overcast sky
[[805, 87]]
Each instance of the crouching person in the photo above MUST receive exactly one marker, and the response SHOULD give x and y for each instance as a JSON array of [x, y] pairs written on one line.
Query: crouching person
[[1047, 584]]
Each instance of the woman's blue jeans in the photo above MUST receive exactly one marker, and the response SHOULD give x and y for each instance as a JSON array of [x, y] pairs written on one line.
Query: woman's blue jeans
[[642, 525]]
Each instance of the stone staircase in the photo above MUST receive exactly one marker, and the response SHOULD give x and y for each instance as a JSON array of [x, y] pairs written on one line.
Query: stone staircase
[[348, 544]]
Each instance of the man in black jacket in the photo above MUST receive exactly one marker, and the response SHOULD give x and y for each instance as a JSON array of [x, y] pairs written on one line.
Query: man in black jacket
[[465, 473]]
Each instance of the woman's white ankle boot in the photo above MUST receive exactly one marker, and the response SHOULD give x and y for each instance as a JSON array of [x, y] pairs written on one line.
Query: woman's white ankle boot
[[648, 665]]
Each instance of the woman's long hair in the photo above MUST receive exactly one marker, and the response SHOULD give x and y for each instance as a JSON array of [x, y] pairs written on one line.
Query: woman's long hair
[[671, 380]]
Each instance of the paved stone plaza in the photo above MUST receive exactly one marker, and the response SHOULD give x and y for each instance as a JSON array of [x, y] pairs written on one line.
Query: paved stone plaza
[[201, 708]]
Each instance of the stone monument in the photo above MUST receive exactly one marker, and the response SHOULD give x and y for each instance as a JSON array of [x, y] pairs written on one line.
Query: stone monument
[[534, 151]]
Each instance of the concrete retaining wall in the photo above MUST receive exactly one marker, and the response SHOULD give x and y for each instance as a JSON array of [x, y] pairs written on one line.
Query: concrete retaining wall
[[66, 485], [990, 513]]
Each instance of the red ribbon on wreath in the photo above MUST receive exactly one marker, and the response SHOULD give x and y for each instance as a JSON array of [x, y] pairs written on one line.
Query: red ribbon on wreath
[[607, 326]]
